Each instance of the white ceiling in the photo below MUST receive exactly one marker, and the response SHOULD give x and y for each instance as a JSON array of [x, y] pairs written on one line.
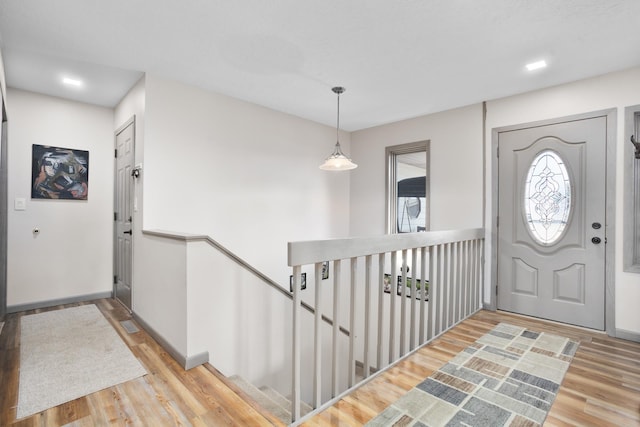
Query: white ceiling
[[397, 58]]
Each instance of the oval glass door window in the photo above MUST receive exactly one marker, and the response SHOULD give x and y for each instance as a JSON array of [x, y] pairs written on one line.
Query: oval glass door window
[[547, 197]]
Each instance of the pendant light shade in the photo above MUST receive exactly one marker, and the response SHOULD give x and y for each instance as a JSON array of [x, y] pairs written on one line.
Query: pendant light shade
[[337, 161]]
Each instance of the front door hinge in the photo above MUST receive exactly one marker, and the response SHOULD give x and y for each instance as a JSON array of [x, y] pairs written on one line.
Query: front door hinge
[[115, 152], [115, 279], [498, 152], [497, 221], [115, 216]]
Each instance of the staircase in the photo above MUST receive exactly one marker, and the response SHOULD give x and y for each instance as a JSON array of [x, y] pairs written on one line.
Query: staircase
[[268, 399]]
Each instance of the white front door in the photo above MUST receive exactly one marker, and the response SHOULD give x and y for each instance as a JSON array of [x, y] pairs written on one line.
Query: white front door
[[551, 221], [123, 212]]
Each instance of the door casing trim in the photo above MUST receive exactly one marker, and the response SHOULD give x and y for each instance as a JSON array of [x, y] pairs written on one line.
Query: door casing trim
[[610, 207]]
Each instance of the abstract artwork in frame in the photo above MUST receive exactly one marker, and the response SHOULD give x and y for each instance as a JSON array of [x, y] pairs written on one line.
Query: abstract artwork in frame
[[59, 173]]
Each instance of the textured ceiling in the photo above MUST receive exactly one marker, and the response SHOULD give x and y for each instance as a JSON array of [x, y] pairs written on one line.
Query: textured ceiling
[[397, 58]]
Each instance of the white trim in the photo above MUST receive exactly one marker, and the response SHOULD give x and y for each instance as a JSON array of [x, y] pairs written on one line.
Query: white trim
[[627, 335], [187, 362], [60, 301]]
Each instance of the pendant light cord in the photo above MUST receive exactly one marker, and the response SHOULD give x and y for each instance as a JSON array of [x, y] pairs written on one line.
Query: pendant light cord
[[338, 90], [338, 121]]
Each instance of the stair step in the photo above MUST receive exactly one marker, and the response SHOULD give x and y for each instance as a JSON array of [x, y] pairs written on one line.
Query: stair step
[[283, 413], [283, 401]]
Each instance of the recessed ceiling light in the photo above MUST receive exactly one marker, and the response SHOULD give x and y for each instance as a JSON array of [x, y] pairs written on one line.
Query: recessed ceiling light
[[536, 65], [72, 82]]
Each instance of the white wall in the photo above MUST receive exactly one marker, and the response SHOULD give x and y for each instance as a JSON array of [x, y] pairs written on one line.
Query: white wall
[[160, 298], [245, 175], [615, 90], [243, 317], [3, 83], [455, 169], [72, 254], [456, 166]]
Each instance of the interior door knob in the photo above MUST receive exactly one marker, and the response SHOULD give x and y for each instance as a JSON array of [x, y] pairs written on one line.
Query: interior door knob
[[596, 240], [129, 232]]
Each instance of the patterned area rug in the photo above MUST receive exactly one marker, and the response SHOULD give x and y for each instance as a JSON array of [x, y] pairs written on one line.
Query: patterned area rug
[[508, 377]]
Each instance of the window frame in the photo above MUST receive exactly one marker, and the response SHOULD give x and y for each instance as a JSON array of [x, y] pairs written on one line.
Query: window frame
[[391, 187], [631, 236]]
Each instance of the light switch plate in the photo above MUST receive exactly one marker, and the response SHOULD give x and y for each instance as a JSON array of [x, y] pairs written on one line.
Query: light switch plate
[[20, 204]]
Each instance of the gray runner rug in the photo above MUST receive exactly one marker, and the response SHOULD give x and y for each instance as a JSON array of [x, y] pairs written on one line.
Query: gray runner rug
[[508, 377], [67, 354]]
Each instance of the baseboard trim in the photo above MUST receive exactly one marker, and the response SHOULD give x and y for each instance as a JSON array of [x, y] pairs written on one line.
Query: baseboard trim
[[196, 360], [61, 301], [627, 335], [184, 361]]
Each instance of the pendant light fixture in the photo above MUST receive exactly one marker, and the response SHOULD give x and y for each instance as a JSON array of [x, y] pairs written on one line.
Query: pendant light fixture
[[337, 161]]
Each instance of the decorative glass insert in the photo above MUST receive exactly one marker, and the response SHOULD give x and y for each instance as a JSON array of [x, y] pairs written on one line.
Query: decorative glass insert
[[547, 197]]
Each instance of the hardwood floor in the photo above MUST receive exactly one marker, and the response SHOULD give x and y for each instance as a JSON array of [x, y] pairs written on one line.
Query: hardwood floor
[[167, 396], [601, 388]]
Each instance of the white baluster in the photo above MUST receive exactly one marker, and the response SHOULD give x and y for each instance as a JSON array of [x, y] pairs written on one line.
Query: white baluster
[[317, 342], [367, 314]]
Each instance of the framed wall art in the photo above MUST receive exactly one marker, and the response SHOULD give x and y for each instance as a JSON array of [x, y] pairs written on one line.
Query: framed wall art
[[303, 282], [59, 173], [418, 287], [325, 270]]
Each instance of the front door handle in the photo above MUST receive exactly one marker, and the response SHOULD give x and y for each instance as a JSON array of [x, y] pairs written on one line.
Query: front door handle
[[127, 232], [596, 240]]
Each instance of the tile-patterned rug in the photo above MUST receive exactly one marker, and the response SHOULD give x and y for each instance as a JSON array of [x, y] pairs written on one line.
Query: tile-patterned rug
[[508, 377]]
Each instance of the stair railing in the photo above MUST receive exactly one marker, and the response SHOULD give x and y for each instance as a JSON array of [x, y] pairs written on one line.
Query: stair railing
[[446, 290]]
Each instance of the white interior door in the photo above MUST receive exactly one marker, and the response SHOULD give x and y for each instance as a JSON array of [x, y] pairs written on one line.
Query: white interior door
[[551, 223], [123, 212]]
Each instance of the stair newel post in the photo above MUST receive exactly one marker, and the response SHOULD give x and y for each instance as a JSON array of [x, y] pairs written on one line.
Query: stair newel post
[[352, 321], [317, 343], [335, 383], [367, 313], [295, 392]]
